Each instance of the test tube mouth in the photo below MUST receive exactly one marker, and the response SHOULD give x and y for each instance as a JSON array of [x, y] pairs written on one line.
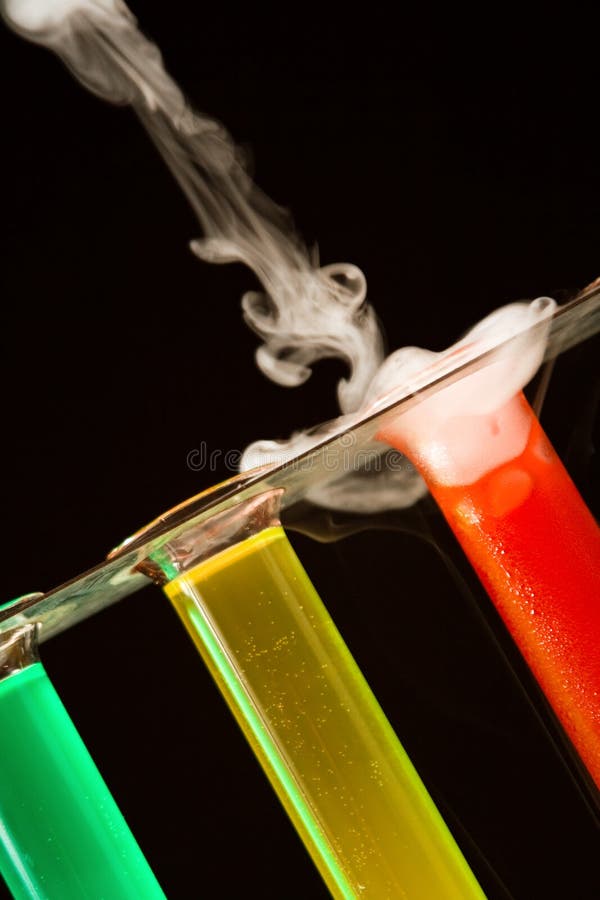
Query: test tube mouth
[[514, 336], [18, 649], [220, 531], [180, 511]]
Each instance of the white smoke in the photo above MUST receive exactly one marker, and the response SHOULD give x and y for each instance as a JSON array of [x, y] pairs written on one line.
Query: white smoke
[[305, 312]]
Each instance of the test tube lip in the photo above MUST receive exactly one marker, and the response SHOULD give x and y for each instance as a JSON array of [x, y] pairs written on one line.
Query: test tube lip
[[18, 649], [199, 543], [176, 514]]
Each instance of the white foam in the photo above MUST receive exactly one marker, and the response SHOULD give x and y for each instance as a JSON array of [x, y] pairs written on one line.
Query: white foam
[[475, 424]]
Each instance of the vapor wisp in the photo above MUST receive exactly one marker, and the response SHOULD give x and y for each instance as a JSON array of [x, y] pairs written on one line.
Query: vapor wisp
[[306, 312]]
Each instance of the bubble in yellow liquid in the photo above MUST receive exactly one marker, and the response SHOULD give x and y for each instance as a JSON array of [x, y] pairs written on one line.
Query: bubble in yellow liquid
[[318, 731]]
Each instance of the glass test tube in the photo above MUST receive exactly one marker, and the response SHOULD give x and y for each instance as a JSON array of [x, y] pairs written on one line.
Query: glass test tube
[[62, 836], [304, 706], [536, 548]]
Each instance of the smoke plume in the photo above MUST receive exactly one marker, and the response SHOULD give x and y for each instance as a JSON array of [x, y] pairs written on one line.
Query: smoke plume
[[304, 312]]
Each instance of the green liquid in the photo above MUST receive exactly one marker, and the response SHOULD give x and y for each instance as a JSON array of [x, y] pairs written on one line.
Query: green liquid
[[322, 738], [62, 836]]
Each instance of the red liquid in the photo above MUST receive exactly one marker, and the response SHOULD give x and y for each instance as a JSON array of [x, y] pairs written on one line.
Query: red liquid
[[536, 548]]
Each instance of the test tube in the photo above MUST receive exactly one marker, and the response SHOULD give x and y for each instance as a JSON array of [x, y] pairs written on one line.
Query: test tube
[[319, 733], [62, 836], [532, 541]]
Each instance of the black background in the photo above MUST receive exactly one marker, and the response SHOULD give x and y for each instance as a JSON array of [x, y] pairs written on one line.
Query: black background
[[456, 163]]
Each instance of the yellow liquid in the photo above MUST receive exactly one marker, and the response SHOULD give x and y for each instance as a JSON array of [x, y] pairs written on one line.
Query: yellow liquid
[[318, 731]]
